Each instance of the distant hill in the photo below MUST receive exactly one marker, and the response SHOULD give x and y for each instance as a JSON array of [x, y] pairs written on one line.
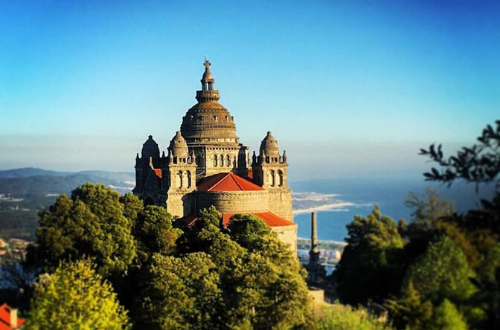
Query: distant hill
[[30, 171], [33, 181], [24, 191]]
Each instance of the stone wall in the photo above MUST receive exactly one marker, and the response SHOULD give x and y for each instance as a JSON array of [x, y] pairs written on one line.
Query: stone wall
[[288, 234], [221, 165], [234, 201], [280, 202]]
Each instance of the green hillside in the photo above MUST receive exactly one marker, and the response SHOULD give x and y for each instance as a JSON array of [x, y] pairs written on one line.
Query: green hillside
[[24, 191]]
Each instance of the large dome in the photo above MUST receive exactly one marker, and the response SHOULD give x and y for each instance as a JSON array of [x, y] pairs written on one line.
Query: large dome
[[208, 122]]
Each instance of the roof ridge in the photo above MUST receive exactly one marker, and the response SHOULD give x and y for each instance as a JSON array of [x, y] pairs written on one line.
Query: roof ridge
[[234, 177], [218, 181]]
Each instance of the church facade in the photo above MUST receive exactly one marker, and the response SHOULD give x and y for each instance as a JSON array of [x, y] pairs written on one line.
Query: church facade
[[205, 164]]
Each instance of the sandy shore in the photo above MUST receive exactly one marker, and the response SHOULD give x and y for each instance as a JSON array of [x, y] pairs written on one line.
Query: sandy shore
[[324, 207]]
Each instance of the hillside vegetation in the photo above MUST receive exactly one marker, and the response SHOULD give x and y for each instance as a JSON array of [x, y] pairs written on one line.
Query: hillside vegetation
[[25, 191]]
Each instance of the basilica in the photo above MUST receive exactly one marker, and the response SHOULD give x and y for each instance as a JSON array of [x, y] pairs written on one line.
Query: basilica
[[205, 164]]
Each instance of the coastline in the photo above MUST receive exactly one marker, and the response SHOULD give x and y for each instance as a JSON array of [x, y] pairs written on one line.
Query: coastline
[[324, 207]]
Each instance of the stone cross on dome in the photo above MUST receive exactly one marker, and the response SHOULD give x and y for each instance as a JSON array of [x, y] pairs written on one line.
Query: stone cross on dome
[[207, 81]]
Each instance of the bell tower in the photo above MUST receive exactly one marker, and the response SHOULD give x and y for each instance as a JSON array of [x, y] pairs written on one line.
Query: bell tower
[[270, 172], [179, 177]]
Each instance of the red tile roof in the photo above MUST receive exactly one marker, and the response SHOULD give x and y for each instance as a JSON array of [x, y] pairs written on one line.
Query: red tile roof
[[269, 218], [227, 182], [158, 172], [5, 318], [273, 220]]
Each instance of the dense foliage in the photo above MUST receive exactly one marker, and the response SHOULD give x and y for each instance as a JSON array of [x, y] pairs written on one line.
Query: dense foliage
[[344, 317], [239, 278], [203, 277], [369, 268], [90, 223], [75, 297], [442, 270]]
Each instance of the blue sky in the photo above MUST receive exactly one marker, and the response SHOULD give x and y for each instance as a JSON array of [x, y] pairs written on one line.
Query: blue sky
[[349, 88]]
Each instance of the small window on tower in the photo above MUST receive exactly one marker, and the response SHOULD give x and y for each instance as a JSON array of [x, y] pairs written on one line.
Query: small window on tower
[[216, 118]]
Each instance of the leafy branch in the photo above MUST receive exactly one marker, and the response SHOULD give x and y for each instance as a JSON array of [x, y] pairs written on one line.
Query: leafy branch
[[479, 163]]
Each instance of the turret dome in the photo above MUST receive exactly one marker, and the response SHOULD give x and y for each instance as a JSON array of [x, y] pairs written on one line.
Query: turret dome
[[150, 149], [178, 146], [269, 146]]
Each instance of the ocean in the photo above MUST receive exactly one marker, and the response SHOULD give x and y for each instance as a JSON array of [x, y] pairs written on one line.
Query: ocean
[[337, 201]]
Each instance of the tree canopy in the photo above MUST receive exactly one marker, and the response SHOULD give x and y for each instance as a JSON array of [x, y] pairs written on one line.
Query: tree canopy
[[241, 277], [90, 223], [75, 297], [369, 268]]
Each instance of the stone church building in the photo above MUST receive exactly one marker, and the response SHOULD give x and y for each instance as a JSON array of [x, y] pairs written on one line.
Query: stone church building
[[205, 164]]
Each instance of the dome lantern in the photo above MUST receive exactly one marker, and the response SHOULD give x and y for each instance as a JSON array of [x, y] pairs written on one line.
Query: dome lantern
[[207, 92]]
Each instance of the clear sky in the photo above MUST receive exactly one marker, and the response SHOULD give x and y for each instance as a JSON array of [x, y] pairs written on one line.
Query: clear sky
[[347, 87]]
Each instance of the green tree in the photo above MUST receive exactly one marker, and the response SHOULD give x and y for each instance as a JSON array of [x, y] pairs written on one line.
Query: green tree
[[90, 223], [154, 232], [429, 208], [371, 267], [442, 272], [247, 230], [75, 297], [488, 284], [271, 280], [245, 278], [132, 205], [447, 317], [180, 293], [344, 317]]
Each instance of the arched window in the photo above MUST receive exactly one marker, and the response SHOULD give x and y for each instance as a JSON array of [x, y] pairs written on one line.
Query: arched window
[[188, 179], [271, 178], [215, 160], [280, 178], [228, 160], [178, 180], [221, 161]]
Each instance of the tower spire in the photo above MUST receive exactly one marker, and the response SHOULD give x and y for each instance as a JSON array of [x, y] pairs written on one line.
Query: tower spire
[[207, 92]]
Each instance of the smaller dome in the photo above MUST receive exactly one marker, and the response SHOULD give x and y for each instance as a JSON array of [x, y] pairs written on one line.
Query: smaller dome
[[150, 149], [270, 146], [178, 146]]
